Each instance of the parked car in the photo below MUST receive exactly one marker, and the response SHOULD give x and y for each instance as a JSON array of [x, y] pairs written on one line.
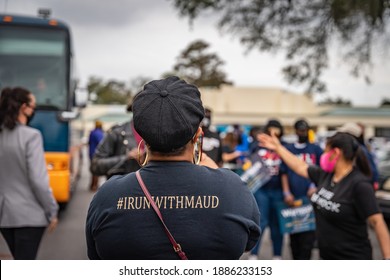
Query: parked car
[[383, 193]]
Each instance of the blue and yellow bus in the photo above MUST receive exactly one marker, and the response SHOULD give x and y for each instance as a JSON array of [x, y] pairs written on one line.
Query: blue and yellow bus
[[36, 53]]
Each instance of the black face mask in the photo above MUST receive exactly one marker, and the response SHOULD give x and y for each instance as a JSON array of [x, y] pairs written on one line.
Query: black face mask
[[29, 118], [303, 139]]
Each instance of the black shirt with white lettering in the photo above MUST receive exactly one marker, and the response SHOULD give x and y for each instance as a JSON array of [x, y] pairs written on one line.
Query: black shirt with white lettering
[[210, 213], [212, 145], [341, 211]]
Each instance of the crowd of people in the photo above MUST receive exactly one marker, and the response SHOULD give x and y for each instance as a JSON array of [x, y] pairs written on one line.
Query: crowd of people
[[233, 148], [172, 175], [208, 210]]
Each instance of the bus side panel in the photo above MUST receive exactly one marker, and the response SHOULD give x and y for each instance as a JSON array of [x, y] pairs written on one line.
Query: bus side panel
[[55, 133], [56, 145], [59, 175], [60, 185]]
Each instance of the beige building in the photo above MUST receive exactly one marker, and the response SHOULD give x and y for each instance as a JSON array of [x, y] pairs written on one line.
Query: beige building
[[254, 106]]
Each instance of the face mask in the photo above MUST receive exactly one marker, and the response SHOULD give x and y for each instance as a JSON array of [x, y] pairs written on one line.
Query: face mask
[[326, 163], [29, 118], [303, 139], [206, 122]]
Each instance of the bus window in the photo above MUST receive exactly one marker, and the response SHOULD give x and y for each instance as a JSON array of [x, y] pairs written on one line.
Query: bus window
[[22, 50]]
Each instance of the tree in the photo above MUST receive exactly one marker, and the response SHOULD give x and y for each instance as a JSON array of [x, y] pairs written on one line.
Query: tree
[[336, 101], [304, 30], [200, 68], [137, 83], [385, 102], [110, 92]]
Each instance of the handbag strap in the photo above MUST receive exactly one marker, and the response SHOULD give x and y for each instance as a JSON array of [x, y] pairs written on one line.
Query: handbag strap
[[176, 246]]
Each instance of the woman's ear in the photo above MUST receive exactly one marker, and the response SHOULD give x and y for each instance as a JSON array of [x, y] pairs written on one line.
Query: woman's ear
[[197, 134], [23, 108], [336, 152]]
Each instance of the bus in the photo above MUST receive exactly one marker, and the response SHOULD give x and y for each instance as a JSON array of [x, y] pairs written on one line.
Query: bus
[[36, 53]]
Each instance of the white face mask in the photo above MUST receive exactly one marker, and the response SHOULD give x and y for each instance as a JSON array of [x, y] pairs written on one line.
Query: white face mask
[[206, 122]]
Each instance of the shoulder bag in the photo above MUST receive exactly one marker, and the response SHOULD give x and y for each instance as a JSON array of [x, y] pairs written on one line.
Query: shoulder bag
[[176, 246]]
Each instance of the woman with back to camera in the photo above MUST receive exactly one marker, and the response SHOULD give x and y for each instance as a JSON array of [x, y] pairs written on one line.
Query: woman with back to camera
[[344, 202], [208, 210], [26, 201]]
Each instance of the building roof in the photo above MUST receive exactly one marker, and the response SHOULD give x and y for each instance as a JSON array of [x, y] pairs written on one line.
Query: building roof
[[358, 111], [259, 101]]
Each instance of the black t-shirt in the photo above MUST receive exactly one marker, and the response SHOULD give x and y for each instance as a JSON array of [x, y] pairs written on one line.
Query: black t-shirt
[[212, 145], [341, 213], [210, 213]]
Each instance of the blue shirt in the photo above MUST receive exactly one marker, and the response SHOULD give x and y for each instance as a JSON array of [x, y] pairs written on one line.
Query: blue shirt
[[371, 161], [95, 137], [309, 153]]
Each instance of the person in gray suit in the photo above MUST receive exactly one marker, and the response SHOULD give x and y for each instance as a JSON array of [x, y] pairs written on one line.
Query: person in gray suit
[[27, 205]]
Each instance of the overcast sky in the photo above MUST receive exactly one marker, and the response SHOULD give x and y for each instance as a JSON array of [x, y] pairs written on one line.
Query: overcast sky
[[125, 39]]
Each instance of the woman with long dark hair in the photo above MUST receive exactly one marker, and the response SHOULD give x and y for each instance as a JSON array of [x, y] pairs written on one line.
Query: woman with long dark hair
[[344, 203], [26, 200]]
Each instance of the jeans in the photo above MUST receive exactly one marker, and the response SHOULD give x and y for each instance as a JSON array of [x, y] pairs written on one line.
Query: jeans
[[267, 198]]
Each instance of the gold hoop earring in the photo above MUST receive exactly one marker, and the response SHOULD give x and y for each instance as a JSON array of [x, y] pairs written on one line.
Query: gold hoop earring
[[139, 154], [197, 153], [197, 156]]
